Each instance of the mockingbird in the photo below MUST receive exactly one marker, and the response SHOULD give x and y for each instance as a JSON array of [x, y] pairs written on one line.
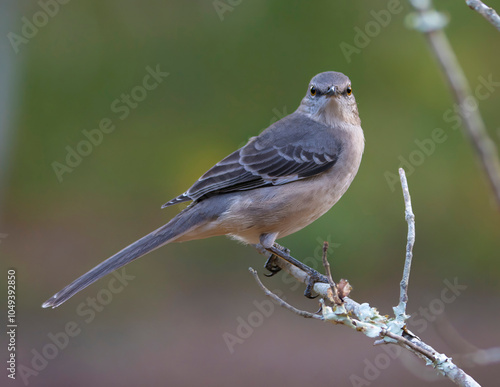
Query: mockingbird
[[279, 182]]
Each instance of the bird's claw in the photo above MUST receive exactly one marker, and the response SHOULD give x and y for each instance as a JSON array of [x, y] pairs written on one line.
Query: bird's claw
[[271, 266], [313, 278], [280, 252]]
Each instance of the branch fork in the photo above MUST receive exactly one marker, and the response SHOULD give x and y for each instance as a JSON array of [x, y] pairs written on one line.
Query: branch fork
[[338, 308]]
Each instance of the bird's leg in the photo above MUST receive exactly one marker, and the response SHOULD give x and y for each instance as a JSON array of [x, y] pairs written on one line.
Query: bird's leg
[[314, 276]]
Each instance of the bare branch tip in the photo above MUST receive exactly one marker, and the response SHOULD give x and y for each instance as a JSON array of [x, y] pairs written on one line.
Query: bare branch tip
[[325, 247]]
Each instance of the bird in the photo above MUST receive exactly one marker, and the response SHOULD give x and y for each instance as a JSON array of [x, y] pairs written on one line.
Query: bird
[[282, 180]]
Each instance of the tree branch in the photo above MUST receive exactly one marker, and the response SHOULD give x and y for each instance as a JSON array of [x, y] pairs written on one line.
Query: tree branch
[[430, 23], [368, 320], [400, 310], [487, 12], [280, 301]]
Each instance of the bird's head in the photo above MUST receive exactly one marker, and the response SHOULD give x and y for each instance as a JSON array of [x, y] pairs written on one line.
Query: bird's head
[[329, 100]]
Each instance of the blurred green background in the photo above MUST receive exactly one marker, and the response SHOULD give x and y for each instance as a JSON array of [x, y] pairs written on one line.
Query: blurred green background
[[232, 73]]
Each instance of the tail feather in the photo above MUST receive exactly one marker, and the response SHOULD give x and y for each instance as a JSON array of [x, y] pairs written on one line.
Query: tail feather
[[163, 235]]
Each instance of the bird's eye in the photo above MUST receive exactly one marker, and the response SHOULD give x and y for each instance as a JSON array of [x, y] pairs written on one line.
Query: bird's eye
[[313, 91], [349, 90]]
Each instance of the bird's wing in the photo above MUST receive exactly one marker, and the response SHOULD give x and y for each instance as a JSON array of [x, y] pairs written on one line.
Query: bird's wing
[[267, 160]]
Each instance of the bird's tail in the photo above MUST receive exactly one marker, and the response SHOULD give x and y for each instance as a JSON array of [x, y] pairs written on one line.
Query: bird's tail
[[165, 234]]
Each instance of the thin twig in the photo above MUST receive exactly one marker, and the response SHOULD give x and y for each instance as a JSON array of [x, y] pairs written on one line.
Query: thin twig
[[326, 265], [403, 340], [280, 301], [487, 12], [333, 286], [475, 129], [400, 310]]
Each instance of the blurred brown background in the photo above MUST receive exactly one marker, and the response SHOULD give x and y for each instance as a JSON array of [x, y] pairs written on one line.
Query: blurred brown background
[[234, 67]]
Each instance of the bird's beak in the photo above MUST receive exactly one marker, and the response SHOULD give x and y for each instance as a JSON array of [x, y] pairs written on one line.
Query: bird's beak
[[332, 91]]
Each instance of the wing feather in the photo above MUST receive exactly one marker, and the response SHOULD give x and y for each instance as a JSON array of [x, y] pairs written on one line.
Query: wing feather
[[267, 160]]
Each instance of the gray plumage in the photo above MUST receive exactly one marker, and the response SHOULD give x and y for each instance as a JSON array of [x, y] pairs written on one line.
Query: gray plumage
[[278, 183]]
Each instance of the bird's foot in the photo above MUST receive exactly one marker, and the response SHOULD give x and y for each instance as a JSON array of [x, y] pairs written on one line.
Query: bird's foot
[[272, 266], [313, 276]]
